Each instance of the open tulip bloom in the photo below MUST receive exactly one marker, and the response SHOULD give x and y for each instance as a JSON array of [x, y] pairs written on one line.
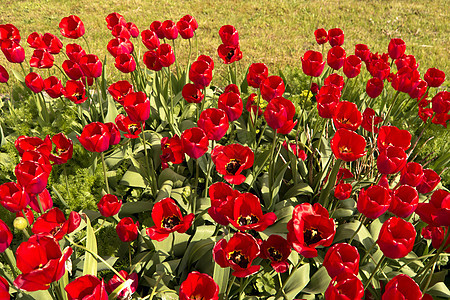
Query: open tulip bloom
[[220, 180]]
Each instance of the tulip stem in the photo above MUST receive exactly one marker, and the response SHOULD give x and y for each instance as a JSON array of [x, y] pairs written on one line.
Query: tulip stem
[[194, 200], [272, 167], [66, 180], [436, 256], [176, 60], [149, 165], [325, 192], [100, 100], [209, 170], [374, 271], [8, 256], [230, 285], [96, 256], [104, 172], [390, 108], [357, 230], [39, 203]]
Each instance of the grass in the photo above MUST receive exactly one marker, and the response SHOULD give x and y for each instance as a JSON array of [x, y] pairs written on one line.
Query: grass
[[276, 33]]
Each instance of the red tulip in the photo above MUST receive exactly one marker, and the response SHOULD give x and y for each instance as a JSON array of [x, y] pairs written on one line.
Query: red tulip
[[396, 238], [132, 129], [127, 230], [396, 48], [119, 46], [4, 289], [34, 82], [229, 54], [380, 69], [392, 136], [185, 29], [343, 191], [296, 149], [41, 262], [137, 106], [192, 93], [156, 26], [75, 91], [109, 205], [114, 19], [272, 87], [231, 160], [321, 36], [279, 115], [114, 132], [119, 90], [55, 224], [434, 77], [150, 39], [5, 240], [231, 104], [391, 160], [437, 235], [115, 282], [335, 80], [229, 35], [63, 149], [374, 201], [327, 100], [418, 90], [25, 143], [201, 73], [169, 28], [402, 287], [277, 249], [72, 69], [91, 65], [194, 142], [13, 52], [4, 76], [28, 214], [45, 201], [374, 87], [121, 31], [404, 79], [86, 287], [336, 37], [133, 29], [412, 174], [13, 197], [309, 228], [441, 102], [172, 151], [35, 41], [312, 63], [191, 20], [404, 201], [247, 214], [151, 61], [95, 137], [200, 286], [165, 55], [363, 52], [257, 72], [437, 211], [53, 87], [168, 218], [345, 286], [125, 63], [9, 32], [250, 105], [341, 258], [52, 43], [32, 176], [352, 66], [214, 123], [75, 52], [72, 27], [336, 57], [348, 145], [238, 254], [347, 116], [441, 119], [406, 61], [222, 202]]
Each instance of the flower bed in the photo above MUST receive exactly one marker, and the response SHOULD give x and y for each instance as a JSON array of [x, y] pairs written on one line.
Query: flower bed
[[219, 193]]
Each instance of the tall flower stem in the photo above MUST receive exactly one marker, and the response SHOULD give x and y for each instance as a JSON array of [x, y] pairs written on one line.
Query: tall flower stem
[[374, 271], [271, 167], [104, 172], [150, 167], [209, 170], [357, 230], [194, 199], [100, 100], [390, 108], [176, 60]]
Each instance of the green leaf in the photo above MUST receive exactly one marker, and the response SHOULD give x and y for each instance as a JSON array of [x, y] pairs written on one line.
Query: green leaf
[[265, 283], [169, 174], [319, 282], [440, 289], [112, 111], [124, 285], [345, 231], [220, 277], [18, 76], [90, 262], [130, 208], [297, 282], [301, 188], [133, 179]]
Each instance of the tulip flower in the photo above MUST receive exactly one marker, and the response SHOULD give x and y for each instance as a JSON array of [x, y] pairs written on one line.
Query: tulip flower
[[348, 145], [404, 201], [374, 201], [279, 115], [192, 93], [34, 82], [172, 151], [115, 282], [5, 237], [321, 36], [127, 230], [257, 72], [54, 223], [169, 28], [341, 258], [194, 142], [345, 286], [214, 123], [277, 249], [137, 106], [231, 104], [396, 48], [200, 286], [429, 181], [396, 238], [336, 37], [95, 137], [86, 286], [13, 197], [403, 287], [119, 90], [72, 27], [437, 211], [114, 19], [312, 63], [222, 198], [434, 77], [53, 87], [109, 205]]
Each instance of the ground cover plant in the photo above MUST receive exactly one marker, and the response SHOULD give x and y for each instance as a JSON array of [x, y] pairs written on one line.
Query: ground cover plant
[[162, 184]]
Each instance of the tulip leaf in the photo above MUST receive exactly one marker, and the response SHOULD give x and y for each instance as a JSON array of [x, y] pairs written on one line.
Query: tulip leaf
[[130, 208], [112, 111], [90, 262], [124, 285], [440, 289], [221, 277], [169, 174], [133, 179], [297, 281], [195, 251], [319, 282], [345, 231], [301, 188]]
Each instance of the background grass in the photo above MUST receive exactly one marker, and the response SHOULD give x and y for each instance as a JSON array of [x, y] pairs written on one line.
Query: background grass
[[274, 32]]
